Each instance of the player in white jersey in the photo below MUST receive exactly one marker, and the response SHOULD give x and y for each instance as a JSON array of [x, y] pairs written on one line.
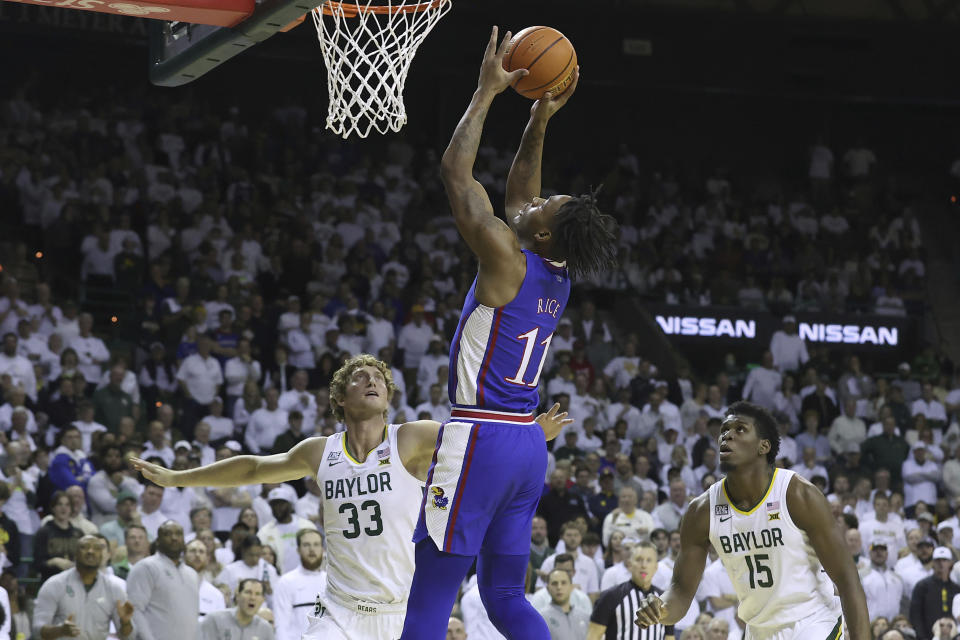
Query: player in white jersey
[[371, 476], [777, 539]]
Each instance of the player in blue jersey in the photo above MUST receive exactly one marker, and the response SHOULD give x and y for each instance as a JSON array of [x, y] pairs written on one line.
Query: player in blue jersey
[[488, 466]]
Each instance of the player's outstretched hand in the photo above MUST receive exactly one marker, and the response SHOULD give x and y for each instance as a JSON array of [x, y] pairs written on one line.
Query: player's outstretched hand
[[553, 421], [550, 103], [650, 612], [154, 473], [493, 77]]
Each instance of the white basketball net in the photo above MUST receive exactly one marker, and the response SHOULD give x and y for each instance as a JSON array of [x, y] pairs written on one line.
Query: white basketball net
[[367, 46]]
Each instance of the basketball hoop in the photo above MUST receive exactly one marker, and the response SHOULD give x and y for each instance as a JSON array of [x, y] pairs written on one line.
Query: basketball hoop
[[367, 47]]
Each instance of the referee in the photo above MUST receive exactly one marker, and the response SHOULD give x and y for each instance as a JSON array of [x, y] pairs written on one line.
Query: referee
[[612, 617]]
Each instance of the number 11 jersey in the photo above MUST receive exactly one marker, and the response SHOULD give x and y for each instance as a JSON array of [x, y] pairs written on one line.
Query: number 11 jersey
[[497, 354], [774, 570], [369, 512]]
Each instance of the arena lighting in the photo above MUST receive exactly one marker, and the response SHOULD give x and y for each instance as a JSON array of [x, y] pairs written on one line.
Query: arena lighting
[[114, 319], [38, 255]]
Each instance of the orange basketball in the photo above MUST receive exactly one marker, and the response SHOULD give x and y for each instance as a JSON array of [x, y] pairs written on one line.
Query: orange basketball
[[547, 55]]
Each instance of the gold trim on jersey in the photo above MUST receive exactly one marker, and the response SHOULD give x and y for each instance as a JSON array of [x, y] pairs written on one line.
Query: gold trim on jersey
[[343, 444], [723, 485]]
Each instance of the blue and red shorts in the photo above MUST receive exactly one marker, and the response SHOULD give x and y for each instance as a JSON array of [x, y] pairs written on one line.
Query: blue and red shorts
[[484, 484]]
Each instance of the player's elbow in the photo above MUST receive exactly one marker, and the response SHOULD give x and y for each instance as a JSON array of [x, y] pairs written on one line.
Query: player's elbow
[[453, 170]]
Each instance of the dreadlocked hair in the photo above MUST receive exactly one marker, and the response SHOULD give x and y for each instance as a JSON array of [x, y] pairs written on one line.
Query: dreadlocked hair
[[586, 237]]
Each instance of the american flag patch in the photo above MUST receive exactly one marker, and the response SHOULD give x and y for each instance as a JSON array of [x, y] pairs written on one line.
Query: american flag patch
[[773, 506], [384, 453]]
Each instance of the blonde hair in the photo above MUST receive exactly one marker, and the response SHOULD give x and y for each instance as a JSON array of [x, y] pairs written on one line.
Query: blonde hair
[[338, 385]]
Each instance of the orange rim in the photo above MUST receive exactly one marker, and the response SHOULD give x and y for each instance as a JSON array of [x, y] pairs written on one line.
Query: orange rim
[[353, 9]]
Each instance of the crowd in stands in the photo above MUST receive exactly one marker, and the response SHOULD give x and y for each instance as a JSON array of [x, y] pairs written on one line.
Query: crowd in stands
[[245, 259]]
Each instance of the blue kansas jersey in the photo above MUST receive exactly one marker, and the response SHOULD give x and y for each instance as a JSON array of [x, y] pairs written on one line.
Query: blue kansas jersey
[[497, 355]]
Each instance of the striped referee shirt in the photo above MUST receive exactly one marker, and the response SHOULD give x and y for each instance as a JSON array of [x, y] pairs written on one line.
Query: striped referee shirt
[[616, 609]]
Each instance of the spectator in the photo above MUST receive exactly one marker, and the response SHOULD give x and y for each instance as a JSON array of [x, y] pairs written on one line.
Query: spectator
[[911, 388], [787, 348], [886, 451], [930, 407], [151, 517], [59, 613], [436, 406], [197, 557], [281, 532], [435, 357], [920, 477], [164, 590], [634, 523], [126, 515], [559, 505], [585, 576], [809, 467], [19, 368], [200, 378], [933, 596], [540, 548], [239, 620], [847, 429], [240, 369], [158, 444], [299, 399], [296, 589], [158, 377], [55, 544], [86, 424], [136, 547], [669, 512], [266, 424], [763, 382], [882, 586], [250, 563], [563, 621], [69, 464], [300, 345], [111, 403], [90, 350], [882, 526], [819, 401], [414, 339]]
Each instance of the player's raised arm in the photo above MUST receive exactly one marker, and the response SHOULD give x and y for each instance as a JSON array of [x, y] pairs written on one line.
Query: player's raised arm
[[299, 462], [669, 608], [523, 183], [811, 512], [488, 237]]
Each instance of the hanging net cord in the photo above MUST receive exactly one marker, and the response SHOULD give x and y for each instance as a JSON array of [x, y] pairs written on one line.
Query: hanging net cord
[[367, 49]]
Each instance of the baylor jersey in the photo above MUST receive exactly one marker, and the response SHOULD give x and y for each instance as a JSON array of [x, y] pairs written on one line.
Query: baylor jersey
[[369, 511], [774, 570]]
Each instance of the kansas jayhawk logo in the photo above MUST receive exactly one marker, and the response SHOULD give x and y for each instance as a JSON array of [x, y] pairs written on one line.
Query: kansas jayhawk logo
[[439, 500]]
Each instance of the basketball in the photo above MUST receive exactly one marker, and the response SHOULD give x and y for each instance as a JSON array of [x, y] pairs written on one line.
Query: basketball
[[547, 55]]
